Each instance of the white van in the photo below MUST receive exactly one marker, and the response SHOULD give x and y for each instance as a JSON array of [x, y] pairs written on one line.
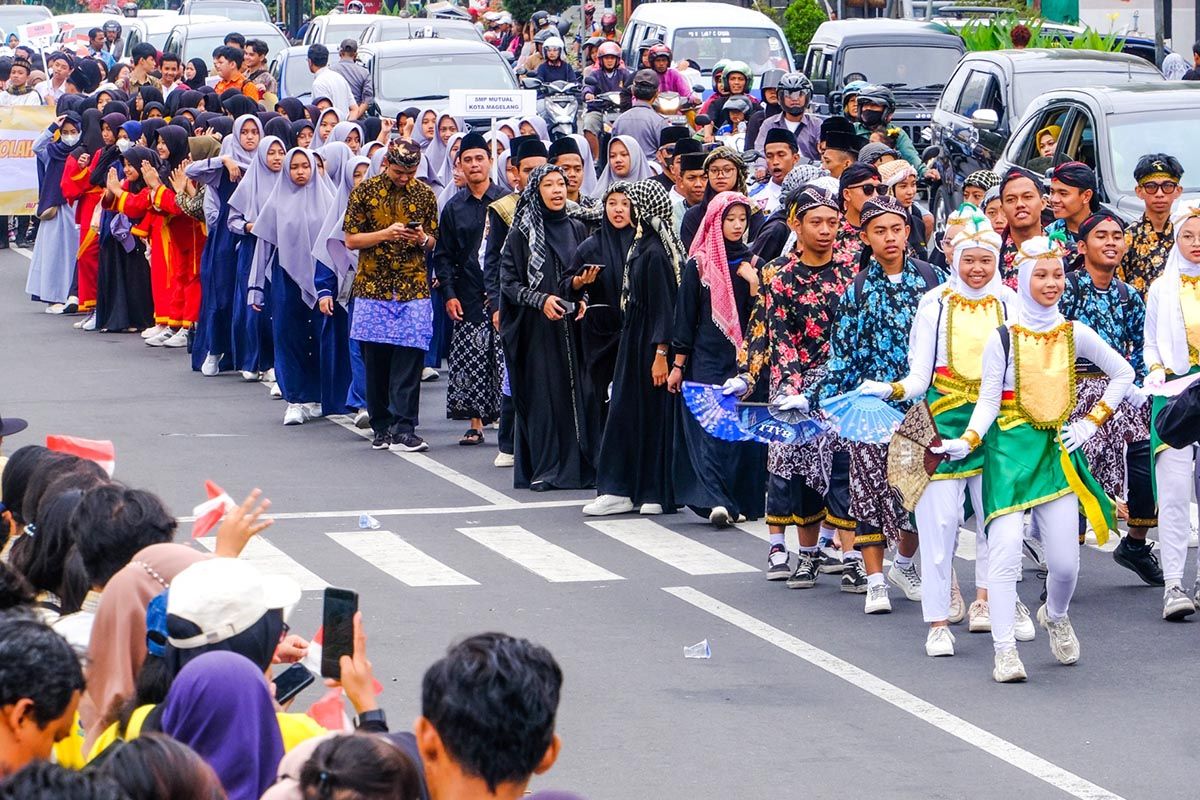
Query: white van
[[707, 33]]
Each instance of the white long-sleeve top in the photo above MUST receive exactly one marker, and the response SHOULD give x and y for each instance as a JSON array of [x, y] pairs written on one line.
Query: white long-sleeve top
[[927, 347], [998, 374], [1157, 300]]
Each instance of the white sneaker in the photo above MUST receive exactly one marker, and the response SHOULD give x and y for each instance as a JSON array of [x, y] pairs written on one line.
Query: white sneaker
[[313, 410], [906, 579], [719, 517], [430, 374], [276, 392], [958, 606], [1176, 604], [503, 460], [607, 504], [294, 415], [650, 509], [211, 365], [161, 338], [1064, 644], [178, 339], [1009, 668], [150, 333], [88, 324], [55, 308], [1023, 627], [939, 642], [979, 617], [248, 376], [362, 419], [268, 376], [877, 601]]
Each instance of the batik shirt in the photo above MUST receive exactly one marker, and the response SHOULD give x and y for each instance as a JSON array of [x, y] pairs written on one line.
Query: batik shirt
[[1070, 242], [1119, 324], [391, 269], [847, 246], [1147, 254], [870, 336], [1008, 262], [792, 320]]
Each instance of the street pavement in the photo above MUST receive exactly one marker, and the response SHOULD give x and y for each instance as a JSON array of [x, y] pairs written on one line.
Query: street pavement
[[803, 695]]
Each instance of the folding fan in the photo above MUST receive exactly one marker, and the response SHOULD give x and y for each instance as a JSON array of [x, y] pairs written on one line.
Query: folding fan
[[715, 411], [910, 462], [767, 423], [862, 418]]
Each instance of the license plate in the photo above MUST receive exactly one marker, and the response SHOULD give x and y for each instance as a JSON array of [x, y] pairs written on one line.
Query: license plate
[[562, 98]]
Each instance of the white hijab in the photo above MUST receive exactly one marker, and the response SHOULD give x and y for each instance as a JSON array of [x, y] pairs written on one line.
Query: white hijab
[[1170, 332], [1032, 314], [977, 235]]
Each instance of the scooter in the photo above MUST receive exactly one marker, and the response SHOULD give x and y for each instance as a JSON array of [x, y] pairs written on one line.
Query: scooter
[[677, 110], [609, 106], [558, 105]]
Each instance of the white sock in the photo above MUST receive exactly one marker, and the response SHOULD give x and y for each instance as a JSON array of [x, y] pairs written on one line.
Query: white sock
[[810, 550], [903, 562], [876, 579], [851, 555], [777, 539]]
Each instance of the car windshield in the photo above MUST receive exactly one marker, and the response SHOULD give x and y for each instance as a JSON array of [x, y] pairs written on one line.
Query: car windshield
[[238, 11], [761, 48], [13, 16], [1029, 85], [297, 78], [406, 77], [901, 67], [334, 33], [1166, 131]]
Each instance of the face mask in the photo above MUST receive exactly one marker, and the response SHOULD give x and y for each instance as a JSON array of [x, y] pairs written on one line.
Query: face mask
[[70, 140], [872, 118], [124, 144]]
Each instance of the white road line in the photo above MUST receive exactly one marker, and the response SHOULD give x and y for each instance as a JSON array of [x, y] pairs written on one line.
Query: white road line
[[939, 718], [512, 505], [535, 554], [23, 251], [388, 552], [669, 547], [477, 488], [273, 561]]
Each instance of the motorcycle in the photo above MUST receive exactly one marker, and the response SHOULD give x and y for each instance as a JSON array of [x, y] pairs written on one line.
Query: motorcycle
[[677, 110], [609, 106], [558, 105]]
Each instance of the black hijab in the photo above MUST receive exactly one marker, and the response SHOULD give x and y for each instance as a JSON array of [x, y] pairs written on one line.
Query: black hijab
[[162, 109], [239, 105], [117, 107], [185, 123], [221, 125], [298, 126], [136, 157], [209, 99], [90, 140], [175, 138], [150, 128], [205, 118], [110, 156], [184, 98], [150, 94], [291, 107], [371, 127], [281, 127], [201, 73]]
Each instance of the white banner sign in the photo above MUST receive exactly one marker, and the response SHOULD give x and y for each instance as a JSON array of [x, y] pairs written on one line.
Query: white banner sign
[[496, 104], [37, 32], [19, 127]]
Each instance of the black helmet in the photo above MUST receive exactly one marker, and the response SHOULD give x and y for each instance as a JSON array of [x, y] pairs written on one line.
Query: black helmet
[[540, 19], [770, 79], [541, 36], [130, 9], [737, 103], [562, 25], [112, 26], [878, 96], [794, 82]]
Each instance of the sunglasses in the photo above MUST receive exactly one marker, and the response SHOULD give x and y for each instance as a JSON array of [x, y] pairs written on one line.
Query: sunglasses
[[1166, 187], [869, 189]]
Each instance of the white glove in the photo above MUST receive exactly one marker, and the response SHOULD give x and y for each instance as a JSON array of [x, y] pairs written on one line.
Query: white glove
[[954, 449], [876, 389], [735, 386], [1074, 434], [1137, 397], [794, 402], [1155, 379]]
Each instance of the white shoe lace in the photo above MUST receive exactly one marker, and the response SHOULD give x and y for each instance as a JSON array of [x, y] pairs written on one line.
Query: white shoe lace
[[1061, 632], [876, 593], [1009, 661], [910, 574]]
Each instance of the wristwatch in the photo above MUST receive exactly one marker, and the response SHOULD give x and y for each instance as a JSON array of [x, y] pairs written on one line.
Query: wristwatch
[[374, 715]]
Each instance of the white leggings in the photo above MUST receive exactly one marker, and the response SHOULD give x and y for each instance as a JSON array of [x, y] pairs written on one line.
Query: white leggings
[[939, 516], [1058, 521], [1173, 472]]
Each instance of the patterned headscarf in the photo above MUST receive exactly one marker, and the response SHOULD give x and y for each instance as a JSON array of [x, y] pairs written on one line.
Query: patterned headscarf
[[800, 175], [529, 221], [724, 153], [977, 233], [708, 251], [652, 212]]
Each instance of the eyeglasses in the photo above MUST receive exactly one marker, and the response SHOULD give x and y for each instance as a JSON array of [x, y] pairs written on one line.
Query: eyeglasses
[[1166, 187], [869, 189], [722, 172]]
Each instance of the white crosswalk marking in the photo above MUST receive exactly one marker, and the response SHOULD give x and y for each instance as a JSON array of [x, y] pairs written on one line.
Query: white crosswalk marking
[[671, 548], [388, 552], [759, 530], [537, 555], [273, 561]]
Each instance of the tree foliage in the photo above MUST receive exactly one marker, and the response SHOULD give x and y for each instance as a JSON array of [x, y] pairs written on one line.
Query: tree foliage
[[800, 22]]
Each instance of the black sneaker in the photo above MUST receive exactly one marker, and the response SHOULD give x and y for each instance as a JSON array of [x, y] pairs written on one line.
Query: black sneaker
[[1139, 559], [854, 578], [408, 443], [831, 561], [777, 564], [381, 441], [807, 570]]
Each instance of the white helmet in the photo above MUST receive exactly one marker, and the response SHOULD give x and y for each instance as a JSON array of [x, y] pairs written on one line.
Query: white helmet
[[553, 43]]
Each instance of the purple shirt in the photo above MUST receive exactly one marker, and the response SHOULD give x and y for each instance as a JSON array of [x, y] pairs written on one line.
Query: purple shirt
[[673, 81]]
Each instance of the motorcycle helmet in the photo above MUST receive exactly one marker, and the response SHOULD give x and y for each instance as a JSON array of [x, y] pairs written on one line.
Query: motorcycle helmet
[[770, 79], [540, 19], [878, 96], [112, 26], [853, 89], [737, 103], [717, 70], [793, 82], [609, 49], [659, 50], [608, 22], [553, 43], [541, 36], [130, 9], [741, 68], [355, 7], [563, 26]]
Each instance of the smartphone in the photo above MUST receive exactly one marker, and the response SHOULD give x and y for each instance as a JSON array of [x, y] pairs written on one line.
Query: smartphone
[[566, 307], [291, 682], [338, 626], [595, 266], [412, 226]]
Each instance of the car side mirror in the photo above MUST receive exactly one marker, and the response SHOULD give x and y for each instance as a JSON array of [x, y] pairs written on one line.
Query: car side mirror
[[698, 88], [820, 86], [985, 119]]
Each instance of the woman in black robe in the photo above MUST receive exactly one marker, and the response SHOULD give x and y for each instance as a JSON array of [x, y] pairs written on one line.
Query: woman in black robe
[[634, 467], [124, 300], [556, 414], [722, 480]]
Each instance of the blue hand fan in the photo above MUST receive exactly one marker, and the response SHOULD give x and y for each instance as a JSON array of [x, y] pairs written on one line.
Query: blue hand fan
[[862, 418], [769, 424], [715, 411]]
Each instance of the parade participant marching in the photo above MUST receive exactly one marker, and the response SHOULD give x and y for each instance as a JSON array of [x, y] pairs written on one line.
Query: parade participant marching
[[869, 344], [1119, 454], [781, 155], [633, 469], [1172, 344], [945, 359], [726, 172], [857, 185], [1150, 239], [1030, 461], [721, 480], [789, 339]]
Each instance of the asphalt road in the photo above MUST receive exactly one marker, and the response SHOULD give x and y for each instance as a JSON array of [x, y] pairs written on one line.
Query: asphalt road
[[803, 695]]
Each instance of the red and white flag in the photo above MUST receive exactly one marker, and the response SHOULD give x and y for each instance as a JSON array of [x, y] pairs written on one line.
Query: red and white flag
[[99, 450], [210, 513]]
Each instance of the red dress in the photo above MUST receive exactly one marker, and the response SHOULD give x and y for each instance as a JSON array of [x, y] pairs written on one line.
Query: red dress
[[176, 242]]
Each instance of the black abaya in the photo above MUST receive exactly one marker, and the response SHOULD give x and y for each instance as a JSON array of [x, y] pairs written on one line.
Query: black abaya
[[123, 294], [600, 328]]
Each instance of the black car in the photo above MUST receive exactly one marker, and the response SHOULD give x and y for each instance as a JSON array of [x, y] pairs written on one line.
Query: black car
[[988, 94], [913, 59]]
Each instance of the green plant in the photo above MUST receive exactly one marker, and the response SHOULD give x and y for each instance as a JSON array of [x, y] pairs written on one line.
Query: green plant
[[800, 22], [522, 9], [995, 33]]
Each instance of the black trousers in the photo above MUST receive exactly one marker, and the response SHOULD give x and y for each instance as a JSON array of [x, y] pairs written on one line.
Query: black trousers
[[393, 386], [1139, 496], [23, 225], [508, 422]]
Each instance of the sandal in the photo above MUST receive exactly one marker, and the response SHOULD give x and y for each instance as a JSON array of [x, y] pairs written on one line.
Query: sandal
[[473, 436]]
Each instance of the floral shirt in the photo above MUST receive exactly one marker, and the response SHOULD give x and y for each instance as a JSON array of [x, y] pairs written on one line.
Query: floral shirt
[[1119, 324], [1147, 254], [791, 321], [847, 246], [870, 337], [1008, 262], [391, 270], [1069, 240]]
